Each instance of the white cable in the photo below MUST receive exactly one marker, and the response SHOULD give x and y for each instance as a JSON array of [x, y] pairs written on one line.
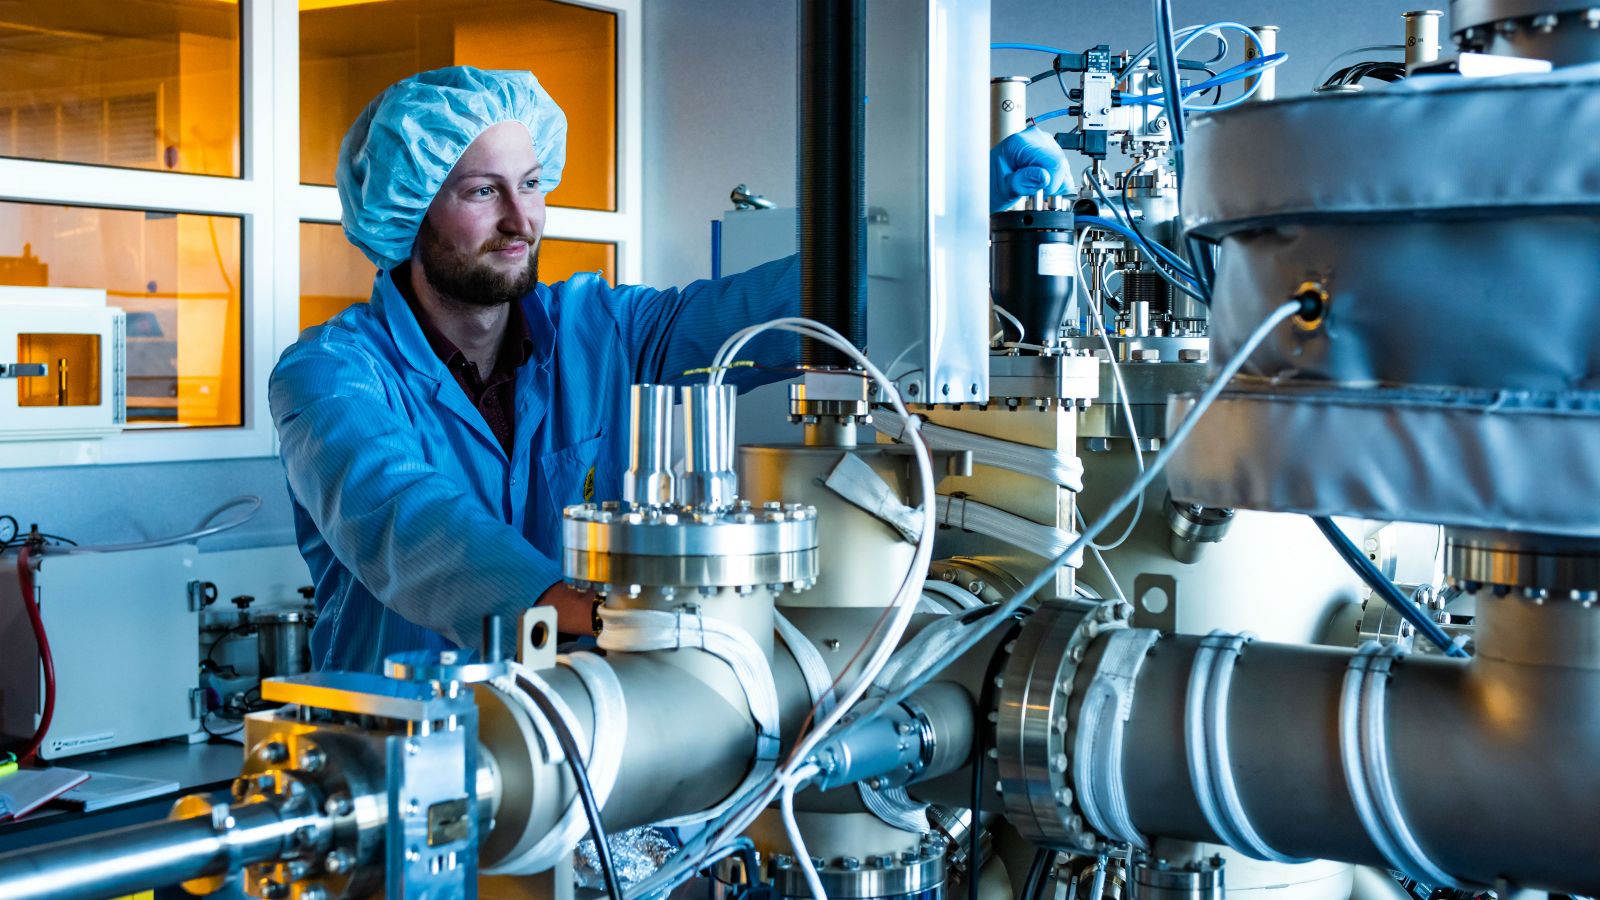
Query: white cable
[[911, 589], [895, 808], [960, 597], [1060, 466], [796, 841], [1022, 333], [610, 717], [639, 630], [813, 668], [1175, 441], [201, 530], [904, 604], [1101, 559], [1026, 534], [1116, 375]]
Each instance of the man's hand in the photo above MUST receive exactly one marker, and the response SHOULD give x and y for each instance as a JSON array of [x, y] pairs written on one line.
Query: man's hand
[[574, 608], [1024, 164]]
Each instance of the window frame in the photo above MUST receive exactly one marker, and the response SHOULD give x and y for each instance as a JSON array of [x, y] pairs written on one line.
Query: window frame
[[270, 203]]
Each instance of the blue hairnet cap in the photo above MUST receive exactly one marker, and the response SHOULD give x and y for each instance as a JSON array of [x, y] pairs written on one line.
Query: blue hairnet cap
[[396, 156]]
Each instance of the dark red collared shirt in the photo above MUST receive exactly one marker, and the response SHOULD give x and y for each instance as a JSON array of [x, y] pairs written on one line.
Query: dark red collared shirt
[[495, 396]]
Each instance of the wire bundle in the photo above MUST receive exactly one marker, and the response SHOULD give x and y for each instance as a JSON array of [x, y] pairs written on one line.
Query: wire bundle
[[718, 838]]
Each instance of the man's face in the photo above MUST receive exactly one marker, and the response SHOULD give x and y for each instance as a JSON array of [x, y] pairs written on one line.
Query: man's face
[[479, 242]]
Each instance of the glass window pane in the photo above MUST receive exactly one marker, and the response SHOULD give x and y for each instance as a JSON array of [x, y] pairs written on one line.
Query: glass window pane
[[143, 84], [351, 51], [72, 369], [176, 275], [560, 260], [334, 274]]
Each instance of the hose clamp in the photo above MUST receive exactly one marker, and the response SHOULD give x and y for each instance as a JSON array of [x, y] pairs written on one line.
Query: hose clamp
[[1205, 728], [1364, 750], [1097, 751]]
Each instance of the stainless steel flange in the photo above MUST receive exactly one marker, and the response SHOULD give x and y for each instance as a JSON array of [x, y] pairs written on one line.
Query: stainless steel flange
[[1037, 707]]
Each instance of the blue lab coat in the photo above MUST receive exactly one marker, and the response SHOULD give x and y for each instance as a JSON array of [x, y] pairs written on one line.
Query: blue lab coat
[[412, 519]]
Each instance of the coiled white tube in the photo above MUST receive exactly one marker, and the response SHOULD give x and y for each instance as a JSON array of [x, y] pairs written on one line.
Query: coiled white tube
[[638, 630], [1060, 466], [1040, 540], [813, 668], [597, 676]]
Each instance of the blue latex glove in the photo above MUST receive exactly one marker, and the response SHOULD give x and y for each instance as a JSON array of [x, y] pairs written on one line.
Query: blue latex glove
[[1022, 165]]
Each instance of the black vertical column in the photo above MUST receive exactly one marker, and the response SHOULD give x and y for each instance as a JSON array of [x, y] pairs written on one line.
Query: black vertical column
[[832, 179]]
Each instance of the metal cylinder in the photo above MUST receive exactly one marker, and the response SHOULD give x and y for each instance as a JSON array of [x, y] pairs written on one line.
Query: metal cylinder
[[1156, 880], [1283, 722], [1561, 32], [1139, 312], [832, 180], [137, 858], [648, 481], [1422, 35], [1268, 36], [283, 642], [1008, 107], [708, 476], [1030, 268]]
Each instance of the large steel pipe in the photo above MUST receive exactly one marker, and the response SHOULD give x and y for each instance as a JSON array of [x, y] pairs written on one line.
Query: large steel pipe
[[1491, 762], [140, 857]]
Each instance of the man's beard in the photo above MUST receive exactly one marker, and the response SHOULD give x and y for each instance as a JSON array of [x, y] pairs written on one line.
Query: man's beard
[[467, 279]]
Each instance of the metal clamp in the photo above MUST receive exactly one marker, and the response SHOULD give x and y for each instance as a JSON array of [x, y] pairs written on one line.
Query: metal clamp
[[1205, 727], [1097, 752], [1033, 732], [1364, 749]]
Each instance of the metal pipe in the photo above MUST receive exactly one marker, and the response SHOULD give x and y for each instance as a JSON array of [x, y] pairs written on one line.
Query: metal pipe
[[1422, 35], [1008, 107], [708, 476], [648, 481], [1467, 748], [832, 173], [1268, 36], [138, 858]]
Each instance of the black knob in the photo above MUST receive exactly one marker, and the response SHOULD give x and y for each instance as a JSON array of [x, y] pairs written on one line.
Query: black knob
[[243, 601], [307, 591]]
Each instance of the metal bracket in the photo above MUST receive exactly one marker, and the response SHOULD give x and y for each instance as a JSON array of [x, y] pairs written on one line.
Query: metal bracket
[[536, 641], [201, 594], [23, 370]]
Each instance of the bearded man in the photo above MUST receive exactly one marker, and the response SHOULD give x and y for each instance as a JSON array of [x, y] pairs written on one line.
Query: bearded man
[[433, 434]]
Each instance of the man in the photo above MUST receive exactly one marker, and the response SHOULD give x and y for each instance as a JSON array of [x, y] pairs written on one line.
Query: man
[[432, 435]]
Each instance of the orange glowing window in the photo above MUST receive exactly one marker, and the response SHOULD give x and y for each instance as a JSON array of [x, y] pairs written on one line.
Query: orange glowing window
[[143, 85], [72, 369], [350, 51], [334, 274], [177, 277]]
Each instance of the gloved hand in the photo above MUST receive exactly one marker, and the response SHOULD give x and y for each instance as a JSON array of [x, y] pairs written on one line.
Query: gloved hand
[[1022, 165]]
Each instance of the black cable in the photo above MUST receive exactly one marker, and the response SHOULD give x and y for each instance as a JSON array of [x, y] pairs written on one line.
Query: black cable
[[975, 827], [591, 809], [1038, 875], [1385, 588], [1382, 70], [1203, 264]]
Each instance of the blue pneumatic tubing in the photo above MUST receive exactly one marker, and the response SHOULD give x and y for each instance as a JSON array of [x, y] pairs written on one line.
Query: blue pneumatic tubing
[[1385, 588]]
